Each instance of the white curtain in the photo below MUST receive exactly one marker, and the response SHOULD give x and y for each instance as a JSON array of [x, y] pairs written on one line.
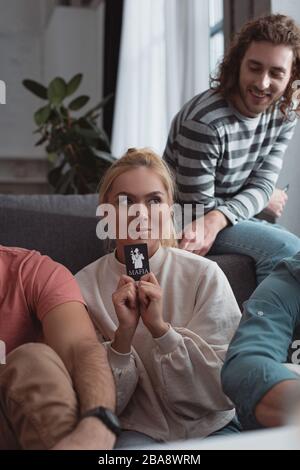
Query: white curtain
[[164, 61]]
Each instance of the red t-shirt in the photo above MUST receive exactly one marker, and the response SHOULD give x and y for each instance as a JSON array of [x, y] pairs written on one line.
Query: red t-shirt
[[30, 286]]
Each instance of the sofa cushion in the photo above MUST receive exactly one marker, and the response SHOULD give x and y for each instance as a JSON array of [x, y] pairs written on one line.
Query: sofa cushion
[[72, 241], [240, 272], [83, 205], [68, 239]]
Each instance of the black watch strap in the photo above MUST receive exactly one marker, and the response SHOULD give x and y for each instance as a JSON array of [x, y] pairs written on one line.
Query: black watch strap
[[107, 417]]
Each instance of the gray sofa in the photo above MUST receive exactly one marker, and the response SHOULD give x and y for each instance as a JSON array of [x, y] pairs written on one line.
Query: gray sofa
[[64, 227]]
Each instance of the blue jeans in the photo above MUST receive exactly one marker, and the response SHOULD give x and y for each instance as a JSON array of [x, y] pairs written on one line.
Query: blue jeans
[[233, 427], [134, 439], [130, 439], [138, 440], [256, 356], [266, 243]]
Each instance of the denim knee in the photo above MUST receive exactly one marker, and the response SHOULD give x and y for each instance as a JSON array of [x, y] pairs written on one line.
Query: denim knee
[[289, 247]]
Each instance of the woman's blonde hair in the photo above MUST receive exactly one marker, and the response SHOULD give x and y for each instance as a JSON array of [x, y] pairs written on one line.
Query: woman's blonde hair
[[136, 158]]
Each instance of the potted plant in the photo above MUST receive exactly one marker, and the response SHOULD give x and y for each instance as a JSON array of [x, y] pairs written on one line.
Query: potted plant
[[77, 147]]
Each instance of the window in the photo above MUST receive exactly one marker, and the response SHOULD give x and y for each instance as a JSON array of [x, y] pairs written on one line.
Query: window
[[216, 26]]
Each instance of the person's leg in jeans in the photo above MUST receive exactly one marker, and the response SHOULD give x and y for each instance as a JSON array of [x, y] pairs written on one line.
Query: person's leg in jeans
[[133, 439], [267, 244], [38, 405], [234, 427]]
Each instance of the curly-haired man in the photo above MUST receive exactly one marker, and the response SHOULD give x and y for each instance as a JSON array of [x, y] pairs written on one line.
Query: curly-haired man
[[226, 145]]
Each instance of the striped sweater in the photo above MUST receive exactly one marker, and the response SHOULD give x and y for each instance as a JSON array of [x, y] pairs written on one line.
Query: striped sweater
[[224, 160]]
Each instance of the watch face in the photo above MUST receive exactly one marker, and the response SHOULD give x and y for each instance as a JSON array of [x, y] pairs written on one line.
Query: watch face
[[112, 417], [107, 417]]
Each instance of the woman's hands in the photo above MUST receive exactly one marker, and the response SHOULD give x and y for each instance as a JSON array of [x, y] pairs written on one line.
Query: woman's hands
[[151, 306], [125, 301], [133, 300]]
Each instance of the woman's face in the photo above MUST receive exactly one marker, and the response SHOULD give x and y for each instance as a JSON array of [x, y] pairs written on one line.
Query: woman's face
[[141, 201]]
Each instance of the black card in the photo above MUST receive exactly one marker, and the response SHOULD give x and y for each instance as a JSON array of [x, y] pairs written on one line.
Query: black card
[[137, 260]]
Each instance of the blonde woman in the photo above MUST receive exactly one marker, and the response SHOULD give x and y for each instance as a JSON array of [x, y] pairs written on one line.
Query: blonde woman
[[167, 334]]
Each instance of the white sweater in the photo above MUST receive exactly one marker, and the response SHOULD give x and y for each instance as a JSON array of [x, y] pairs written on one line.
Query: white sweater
[[169, 388]]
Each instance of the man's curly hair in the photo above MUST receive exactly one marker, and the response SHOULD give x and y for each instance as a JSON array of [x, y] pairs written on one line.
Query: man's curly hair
[[276, 29]]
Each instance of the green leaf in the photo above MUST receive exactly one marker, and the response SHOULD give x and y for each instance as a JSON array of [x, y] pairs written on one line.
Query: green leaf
[[41, 115], [64, 112], [36, 88], [56, 174], [41, 141], [107, 157], [100, 105], [73, 84], [52, 157], [57, 91], [55, 143], [79, 102], [55, 118], [39, 130], [87, 133], [66, 179], [103, 141]]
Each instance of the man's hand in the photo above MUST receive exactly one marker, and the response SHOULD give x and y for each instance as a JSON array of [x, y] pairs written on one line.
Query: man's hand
[[277, 202], [125, 301], [201, 234], [151, 306], [83, 437]]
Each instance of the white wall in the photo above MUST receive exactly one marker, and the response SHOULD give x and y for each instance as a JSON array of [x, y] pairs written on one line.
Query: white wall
[[287, 7], [21, 24], [291, 169], [40, 41], [72, 46]]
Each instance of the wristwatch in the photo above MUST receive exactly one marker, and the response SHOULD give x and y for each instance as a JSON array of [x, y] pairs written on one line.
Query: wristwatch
[[107, 417]]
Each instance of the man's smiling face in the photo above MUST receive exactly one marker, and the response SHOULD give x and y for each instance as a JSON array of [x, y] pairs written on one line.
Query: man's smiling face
[[264, 75]]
